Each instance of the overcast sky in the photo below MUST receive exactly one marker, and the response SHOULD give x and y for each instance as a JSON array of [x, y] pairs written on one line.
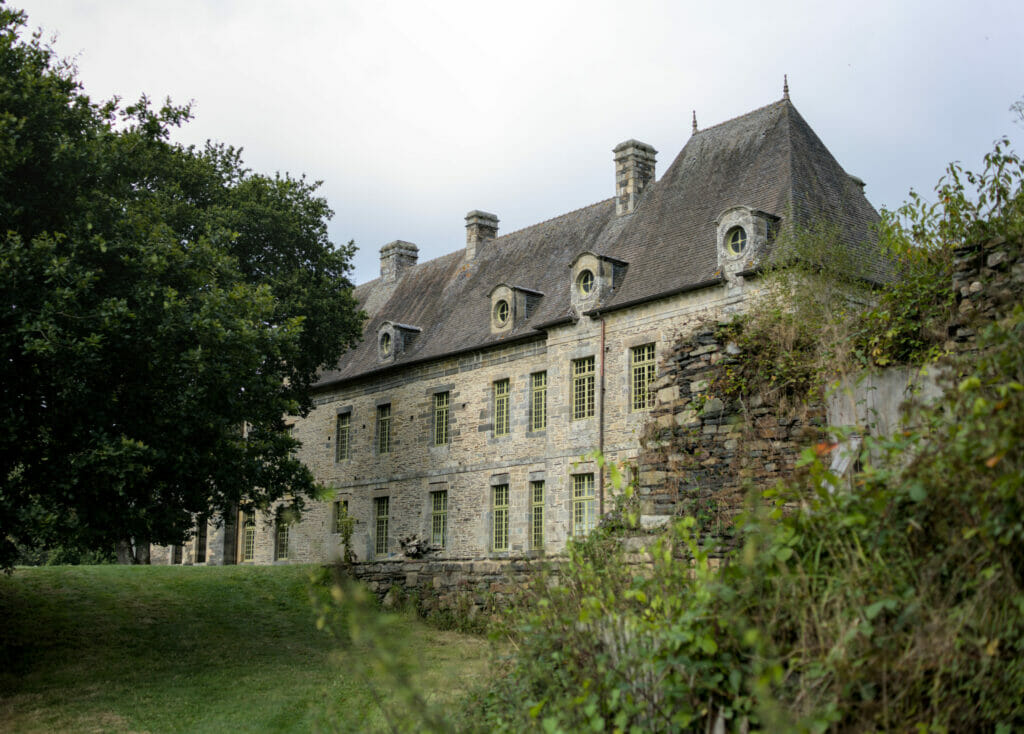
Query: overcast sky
[[414, 113]]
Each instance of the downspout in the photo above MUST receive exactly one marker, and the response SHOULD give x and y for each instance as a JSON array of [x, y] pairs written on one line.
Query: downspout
[[600, 428]]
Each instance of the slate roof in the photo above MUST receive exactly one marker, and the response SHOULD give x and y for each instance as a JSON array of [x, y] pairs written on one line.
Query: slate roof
[[768, 159]]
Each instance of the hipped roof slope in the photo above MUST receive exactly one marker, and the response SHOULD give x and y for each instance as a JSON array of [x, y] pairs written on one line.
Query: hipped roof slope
[[769, 160]]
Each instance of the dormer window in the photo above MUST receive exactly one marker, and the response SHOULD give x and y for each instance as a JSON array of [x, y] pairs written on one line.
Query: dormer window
[[736, 241], [511, 305], [585, 283], [594, 279], [742, 236], [394, 340]]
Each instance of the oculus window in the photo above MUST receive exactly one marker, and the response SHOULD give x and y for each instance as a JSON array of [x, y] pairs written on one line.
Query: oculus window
[[736, 241]]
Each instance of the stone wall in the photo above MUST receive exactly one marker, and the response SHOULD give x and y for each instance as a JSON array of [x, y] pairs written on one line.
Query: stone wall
[[989, 281], [463, 586], [700, 451]]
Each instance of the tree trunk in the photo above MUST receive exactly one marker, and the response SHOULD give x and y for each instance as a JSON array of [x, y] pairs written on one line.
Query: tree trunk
[[131, 553], [124, 553], [142, 553]]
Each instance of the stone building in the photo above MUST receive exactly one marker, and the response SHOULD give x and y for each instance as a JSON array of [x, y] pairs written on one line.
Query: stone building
[[488, 377]]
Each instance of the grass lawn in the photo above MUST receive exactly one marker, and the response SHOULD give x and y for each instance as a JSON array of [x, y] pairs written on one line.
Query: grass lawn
[[193, 649]]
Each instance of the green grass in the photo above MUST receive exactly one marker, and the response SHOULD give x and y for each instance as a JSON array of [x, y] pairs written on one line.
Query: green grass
[[192, 649]]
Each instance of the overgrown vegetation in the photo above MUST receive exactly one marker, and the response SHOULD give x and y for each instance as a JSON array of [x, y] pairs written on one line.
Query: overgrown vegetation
[[897, 604]]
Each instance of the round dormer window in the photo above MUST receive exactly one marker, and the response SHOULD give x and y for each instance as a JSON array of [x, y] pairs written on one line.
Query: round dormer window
[[735, 241], [585, 283], [501, 312], [385, 344]]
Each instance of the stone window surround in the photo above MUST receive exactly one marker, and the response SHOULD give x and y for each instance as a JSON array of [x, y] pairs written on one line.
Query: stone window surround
[[758, 226], [607, 272], [521, 301]]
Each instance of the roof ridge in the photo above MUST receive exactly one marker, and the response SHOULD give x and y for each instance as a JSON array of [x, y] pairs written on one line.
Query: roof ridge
[[551, 219], [745, 114]]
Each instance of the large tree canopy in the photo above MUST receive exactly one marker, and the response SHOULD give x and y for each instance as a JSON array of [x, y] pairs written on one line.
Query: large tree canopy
[[163, 310]]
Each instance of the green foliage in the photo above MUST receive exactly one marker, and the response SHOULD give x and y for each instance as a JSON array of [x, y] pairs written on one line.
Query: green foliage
[[156, 298], [386, 656], [891, 601], [908, 324]]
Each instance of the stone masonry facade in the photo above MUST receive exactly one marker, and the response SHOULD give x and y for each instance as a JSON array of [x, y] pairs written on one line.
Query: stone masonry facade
[[489, 379]]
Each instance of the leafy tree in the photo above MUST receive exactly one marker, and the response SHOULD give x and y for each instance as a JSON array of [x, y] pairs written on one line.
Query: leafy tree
[[163, 309]]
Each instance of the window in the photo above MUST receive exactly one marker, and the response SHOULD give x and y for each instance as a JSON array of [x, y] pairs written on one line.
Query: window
[[538, 401], [501, 313], [343, 437], [385, 344], [176, 555], [384, 429], [735, 241], [537, 515], [643, 369], [340, 515], [281, 541], [500, 508], [585, 283], [249, 536], [501, 408], [582, 388], [584, 506], [441, 403], [380, 540], [201, 540], [439, 518]]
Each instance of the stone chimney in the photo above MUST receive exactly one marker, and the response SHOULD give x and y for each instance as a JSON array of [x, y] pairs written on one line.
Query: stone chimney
[[395, 257], [634, 170], [481, 228]]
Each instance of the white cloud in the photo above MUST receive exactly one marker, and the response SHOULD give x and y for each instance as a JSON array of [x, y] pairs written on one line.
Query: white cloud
[[414, 113]]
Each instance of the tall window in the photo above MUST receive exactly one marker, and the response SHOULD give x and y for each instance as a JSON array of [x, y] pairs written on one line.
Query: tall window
[[380, 511], [582, 388], [538, 401], [343, 437], [500, 508], [643, 370], [501, 408], [200, 540], [441, 401], [176, 555], [584, 506], [281, 541], [439, 518], [249, 536], [537, 515], [384, 429], [340, 515]]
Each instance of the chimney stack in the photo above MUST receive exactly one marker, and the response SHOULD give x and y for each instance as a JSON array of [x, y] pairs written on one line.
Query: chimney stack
[[395, 257], [481, 227], [634, 170]]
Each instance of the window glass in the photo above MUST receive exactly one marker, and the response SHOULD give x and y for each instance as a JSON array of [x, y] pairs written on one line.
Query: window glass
[[501, 418], [582, 388], [500, 512], [584, 505]]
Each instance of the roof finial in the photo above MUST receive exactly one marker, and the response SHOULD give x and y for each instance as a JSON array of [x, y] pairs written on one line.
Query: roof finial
[[785, 86], [695, 122]]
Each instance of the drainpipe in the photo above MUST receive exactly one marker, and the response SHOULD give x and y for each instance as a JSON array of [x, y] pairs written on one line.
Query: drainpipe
[[600, 426]]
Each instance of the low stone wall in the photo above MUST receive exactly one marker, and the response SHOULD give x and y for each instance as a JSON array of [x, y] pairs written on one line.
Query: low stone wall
[[468, 587], [700, 451]]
